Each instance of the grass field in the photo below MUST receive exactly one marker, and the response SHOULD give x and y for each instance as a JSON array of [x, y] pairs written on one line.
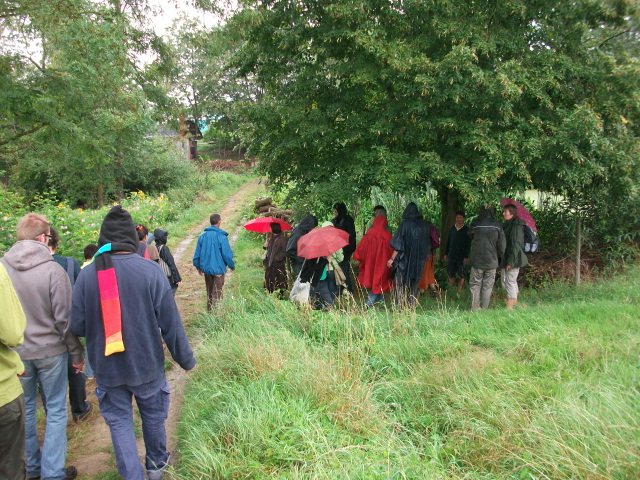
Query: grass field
[[548, 390]]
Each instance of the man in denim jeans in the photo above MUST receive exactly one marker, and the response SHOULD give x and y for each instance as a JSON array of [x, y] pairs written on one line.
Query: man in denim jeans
[[44, 291], [129, 298]]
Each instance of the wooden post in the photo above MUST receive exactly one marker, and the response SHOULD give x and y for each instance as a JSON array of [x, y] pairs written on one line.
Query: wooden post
[[578, 246]]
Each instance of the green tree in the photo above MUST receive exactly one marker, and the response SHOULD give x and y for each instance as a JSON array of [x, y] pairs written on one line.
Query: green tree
[[80, 103], [474, 98]]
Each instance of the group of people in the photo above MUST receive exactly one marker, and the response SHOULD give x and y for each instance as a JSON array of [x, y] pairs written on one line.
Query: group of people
[[122, 302], [403, 261]]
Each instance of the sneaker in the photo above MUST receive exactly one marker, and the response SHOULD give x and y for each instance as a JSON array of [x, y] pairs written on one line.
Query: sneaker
[[84, 415], [158, 474]]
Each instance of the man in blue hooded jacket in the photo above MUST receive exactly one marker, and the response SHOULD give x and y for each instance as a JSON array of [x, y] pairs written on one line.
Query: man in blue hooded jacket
[[212, 257]]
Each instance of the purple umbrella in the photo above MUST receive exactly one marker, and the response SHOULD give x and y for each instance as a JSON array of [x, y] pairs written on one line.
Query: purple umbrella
[[523, 213]]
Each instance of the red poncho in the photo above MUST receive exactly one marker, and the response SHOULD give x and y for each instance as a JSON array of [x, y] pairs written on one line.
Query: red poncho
[[372, 252]]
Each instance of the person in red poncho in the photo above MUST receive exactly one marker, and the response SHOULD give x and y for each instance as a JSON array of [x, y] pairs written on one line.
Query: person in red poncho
[[372, 253]]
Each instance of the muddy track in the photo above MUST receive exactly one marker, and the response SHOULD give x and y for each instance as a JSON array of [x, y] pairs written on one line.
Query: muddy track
[[90, 447]]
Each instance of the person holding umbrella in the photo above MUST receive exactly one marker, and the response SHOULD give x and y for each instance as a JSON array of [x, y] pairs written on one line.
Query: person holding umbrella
[[307, 224], [514, 257], [275, 273], [317, 247], [344, 221]]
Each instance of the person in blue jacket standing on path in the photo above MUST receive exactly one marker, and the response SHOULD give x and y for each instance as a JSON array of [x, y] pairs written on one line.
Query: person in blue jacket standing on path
[[212, 257]]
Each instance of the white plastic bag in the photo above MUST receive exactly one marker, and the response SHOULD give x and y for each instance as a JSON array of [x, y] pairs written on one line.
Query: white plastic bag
[[300, 292]]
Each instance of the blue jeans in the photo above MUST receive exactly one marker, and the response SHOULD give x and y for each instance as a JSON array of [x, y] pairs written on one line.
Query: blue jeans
[[51, 374], [153, 403], [373, 298]]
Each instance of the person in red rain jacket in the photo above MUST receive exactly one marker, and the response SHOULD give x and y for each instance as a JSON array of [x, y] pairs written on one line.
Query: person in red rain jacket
[[372, 253]]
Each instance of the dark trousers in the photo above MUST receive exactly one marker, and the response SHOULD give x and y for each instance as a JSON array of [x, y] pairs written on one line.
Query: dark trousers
[[405, 291], [214, 284], [13, 464], [345, 265], [321, 296], [77, 390]]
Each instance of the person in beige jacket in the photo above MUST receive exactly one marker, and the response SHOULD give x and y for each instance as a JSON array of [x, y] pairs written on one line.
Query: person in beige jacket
[[44, 291]]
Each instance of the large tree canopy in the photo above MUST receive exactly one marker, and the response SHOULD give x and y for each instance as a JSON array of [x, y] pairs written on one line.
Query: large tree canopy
[[472, 97]]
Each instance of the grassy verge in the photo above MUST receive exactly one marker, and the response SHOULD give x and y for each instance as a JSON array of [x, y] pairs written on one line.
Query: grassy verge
[[546, 391]]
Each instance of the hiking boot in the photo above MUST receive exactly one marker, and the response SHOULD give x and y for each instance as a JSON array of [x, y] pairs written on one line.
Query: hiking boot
[[84, 415], [69, 474]]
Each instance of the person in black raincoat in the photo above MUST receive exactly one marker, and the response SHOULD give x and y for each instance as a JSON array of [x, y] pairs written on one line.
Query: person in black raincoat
[[344, 221], [307, 224], [409, 246], [165, 254]]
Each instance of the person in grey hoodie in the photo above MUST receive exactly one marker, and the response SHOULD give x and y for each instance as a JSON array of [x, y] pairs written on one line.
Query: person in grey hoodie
[[514, 257], [44, 291], [487, 246]]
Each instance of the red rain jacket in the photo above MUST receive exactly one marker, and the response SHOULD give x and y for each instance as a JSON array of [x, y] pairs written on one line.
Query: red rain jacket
[[372, 252]]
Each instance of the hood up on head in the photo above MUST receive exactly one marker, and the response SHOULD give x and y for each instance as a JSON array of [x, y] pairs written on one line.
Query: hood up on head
[[160, 236], [411, 212], [119, 230]]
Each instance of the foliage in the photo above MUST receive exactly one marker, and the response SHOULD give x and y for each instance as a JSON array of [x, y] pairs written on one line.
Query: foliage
[[471, 99], [77, 104]]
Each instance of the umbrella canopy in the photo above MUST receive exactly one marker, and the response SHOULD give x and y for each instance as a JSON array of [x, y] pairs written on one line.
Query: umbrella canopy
[[263, 224], [523, 213], [321, 242]]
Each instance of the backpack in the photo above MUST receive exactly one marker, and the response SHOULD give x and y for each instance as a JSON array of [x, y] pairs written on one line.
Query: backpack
[[164, 265], [435, 237], [531, 242]]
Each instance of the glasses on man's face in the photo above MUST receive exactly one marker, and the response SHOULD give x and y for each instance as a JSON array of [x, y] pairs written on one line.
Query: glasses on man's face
[[47, 235]]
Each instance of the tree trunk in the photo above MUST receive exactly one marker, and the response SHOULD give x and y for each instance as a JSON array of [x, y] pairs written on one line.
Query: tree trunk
[[450, 203], [120, 174], [578, 248]]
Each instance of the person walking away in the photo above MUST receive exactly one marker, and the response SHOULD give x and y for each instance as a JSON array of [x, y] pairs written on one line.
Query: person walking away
[[80, 407], [12, 409], [212, 257], [409, 246], [428, 278], [124, 307], [487, 246], [380, 210], [44, 291], [514, 257], [88, 253], [372, 253], [344, 221], [456, 251], [275, 270], [307, 224], [161, 237], [146, 250]]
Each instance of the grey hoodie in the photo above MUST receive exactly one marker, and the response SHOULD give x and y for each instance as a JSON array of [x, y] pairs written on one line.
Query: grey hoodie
[[44, 290]]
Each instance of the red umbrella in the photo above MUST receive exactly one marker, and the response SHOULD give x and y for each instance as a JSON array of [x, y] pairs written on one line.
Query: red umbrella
[[263, 224], [523, 213], [321, 242]]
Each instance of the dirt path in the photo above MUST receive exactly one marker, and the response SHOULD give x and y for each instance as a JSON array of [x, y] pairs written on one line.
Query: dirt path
[[90, 448]]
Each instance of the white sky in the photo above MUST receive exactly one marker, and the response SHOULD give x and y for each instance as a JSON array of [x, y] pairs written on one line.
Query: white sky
[[172, 10]]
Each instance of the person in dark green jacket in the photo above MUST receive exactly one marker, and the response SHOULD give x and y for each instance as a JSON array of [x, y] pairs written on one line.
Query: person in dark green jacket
[[514, 257]]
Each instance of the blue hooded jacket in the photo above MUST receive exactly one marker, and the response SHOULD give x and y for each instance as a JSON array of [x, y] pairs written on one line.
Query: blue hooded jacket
[[213, 254]]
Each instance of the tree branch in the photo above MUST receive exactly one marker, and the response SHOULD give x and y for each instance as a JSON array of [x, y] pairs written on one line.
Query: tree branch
[[614, 36], [22, 134]]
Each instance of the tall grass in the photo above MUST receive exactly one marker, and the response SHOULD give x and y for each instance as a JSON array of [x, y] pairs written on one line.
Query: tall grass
[[545, 391]]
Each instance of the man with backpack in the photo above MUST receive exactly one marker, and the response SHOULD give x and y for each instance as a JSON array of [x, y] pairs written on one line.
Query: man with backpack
[[514, 257]]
